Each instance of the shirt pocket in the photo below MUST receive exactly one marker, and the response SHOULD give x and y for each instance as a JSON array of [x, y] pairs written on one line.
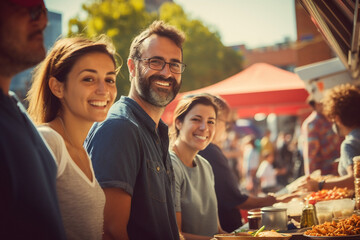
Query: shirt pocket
[[156, 180]]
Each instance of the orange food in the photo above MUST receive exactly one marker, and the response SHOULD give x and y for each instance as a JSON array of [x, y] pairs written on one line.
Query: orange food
[[326, 194], [344, 227]]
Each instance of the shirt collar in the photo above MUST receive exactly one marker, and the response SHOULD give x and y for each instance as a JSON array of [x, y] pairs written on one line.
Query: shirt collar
[[144, 117]]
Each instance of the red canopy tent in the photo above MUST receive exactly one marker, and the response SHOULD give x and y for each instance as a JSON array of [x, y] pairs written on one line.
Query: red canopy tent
[[260, 88]]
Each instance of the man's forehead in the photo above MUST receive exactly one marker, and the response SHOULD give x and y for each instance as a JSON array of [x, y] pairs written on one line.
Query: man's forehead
[[159, 44], [27, 3]]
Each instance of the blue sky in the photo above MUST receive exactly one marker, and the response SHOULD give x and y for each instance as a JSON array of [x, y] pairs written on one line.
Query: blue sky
[[254, 23]]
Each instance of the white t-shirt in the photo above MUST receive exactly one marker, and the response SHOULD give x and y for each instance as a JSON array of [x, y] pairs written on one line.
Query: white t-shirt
[[81, 201], [251, 159], [266, 173]]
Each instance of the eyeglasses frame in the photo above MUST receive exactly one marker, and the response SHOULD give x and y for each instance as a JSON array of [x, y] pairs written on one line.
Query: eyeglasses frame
[[183, 65]]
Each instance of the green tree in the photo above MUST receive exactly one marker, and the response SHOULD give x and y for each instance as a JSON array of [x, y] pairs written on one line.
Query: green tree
[[121, 20], [208, 60]]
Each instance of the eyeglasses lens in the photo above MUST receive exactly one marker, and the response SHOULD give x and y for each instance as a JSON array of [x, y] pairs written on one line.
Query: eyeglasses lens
[[35, 12]]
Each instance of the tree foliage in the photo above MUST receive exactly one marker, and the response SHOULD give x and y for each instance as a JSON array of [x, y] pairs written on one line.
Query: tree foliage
[[208, 60]]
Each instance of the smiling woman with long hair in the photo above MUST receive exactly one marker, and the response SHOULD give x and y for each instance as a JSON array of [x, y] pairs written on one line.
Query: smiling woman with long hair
[[73, 88]]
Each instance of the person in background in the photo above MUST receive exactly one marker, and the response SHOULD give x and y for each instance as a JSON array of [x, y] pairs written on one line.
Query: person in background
[[232, 149], [266, 144], [129, 149], [283, 162], [250, 164], [30, 208], [297, 149], [341, 107], [229, 197], [192, 130], [321, 144], [267, 174], [73, 88]]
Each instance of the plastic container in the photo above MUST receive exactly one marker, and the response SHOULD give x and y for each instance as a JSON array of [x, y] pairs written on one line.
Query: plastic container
[[338, 209], [343, 208], [324, 212], [356, 161], [294, 207]]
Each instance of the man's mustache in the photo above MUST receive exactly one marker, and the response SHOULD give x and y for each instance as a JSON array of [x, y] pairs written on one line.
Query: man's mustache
[[36, 33], [162, 78]]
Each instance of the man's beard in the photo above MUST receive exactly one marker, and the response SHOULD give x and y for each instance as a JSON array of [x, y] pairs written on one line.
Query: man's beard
[[152, 94], [16, 58]]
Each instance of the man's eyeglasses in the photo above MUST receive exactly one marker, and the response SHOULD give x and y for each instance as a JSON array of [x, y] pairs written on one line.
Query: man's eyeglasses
[[36, 12], [159, 64]]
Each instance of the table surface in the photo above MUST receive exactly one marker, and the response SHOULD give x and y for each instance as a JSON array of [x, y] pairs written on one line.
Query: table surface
[[299, 237]]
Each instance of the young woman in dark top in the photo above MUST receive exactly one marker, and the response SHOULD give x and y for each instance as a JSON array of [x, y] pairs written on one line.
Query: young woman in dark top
[[230, 199]]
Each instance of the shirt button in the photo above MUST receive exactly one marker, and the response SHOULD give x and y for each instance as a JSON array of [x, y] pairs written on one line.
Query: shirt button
[[158, 169]]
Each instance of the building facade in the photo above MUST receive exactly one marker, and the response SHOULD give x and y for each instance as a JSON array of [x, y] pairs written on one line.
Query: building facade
[[310, 47]]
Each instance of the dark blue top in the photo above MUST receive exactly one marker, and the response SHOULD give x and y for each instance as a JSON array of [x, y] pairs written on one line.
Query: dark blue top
[[29, 204], [227, 192], [129, 152]]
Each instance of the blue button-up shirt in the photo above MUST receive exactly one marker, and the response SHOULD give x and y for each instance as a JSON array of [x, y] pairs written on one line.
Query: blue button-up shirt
[[129, 152], [29, 202]]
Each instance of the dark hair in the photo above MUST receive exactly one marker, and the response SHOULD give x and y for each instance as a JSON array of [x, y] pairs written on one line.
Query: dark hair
[[159, 28], [223, 106], [184, 106], [312, 103], [43, 104], [342, 101]]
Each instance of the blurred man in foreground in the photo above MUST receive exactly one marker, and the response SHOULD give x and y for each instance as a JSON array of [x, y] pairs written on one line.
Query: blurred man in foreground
[[27, 169]]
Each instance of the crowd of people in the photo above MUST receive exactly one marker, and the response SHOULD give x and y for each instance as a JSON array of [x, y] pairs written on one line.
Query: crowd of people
[[261, 165], [76, 165]]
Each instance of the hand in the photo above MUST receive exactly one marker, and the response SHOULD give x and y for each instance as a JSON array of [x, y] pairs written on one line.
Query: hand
[[181, 237], [270, 199], [287, 197], [309, 184]]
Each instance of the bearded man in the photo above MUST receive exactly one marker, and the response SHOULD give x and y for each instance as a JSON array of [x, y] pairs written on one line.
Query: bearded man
[[129, 150], [30, 207]]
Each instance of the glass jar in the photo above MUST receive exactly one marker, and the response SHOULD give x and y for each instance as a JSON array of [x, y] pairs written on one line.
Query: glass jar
[[356, 161], [254, 221], [308, 217], [254, 218]]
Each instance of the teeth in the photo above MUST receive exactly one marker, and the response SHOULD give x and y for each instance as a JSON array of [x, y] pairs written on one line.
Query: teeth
[[165, 84], [201, 137], [98, 103]]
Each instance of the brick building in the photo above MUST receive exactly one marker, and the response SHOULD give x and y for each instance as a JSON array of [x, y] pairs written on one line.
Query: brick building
[[310, 47]]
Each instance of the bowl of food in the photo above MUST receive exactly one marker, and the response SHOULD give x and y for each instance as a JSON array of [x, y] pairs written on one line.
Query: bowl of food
[[258, 234], [266, 235], [329, 194], [346, 228]]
